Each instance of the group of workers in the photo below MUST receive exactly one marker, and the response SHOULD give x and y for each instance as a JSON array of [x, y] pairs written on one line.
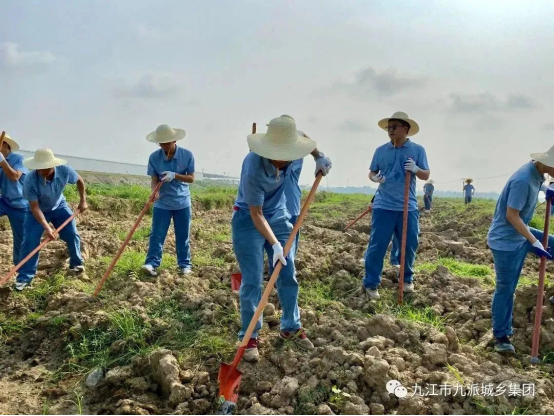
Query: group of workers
[[267, 207]]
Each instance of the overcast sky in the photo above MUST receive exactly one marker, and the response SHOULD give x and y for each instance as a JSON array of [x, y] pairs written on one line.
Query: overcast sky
[[92, 78]]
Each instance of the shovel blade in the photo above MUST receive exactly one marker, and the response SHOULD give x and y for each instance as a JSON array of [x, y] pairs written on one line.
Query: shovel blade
[[229, 384]]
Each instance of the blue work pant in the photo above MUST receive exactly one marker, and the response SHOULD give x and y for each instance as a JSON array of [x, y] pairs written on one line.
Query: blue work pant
[[428, 200], [16, 217]]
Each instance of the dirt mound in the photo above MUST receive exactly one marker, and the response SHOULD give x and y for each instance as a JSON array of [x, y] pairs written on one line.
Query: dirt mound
[[153, 346]]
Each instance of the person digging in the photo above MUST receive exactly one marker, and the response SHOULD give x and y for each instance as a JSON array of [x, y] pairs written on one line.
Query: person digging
[[510, 239], [261, 222], [173, 165], [12, 203], [43, 188], [293, 193], [388, 168], [469, 191]]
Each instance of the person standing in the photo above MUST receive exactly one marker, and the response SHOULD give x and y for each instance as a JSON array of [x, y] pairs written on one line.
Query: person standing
[[428, 190], [261, 222], [12, 203], [469, 191], [174, 166], [388, 168], [43, 188], [510, 239]]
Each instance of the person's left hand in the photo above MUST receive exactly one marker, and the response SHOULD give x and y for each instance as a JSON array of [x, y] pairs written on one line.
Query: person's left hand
[[323, 164], [83, 206], [168, 176], [550, 194], [411, 166]]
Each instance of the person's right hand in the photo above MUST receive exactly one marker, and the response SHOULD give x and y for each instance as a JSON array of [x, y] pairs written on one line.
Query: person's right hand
[[278, 254], [50, 234], [379, 178], [538, 249]]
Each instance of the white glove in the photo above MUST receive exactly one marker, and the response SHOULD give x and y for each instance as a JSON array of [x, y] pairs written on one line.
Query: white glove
[[278, 254], [323, 164], [411, 166], [168, 176], [379, 178], [538, 244]]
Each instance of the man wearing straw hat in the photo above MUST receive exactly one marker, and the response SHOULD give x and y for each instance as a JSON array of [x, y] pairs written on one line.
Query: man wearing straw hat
[[428, 190], [469, 191], [388, 168], [43, 188], [12, 204], [173, 165], [261, 222], [510, 239], [293, 193]]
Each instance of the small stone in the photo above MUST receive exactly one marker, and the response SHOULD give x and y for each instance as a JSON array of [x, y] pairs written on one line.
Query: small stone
[[324, 409], [94, 378]]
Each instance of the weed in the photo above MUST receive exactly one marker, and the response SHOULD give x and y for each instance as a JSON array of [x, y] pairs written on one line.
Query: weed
[[456, 374], [308, 400]]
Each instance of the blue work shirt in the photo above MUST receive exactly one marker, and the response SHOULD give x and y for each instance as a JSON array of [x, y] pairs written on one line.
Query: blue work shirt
[[428, 189], [389, 161], [520, 193], [469, 189], [293, 193], [49, 194], [260, 186], [174, 195], [12, 192]]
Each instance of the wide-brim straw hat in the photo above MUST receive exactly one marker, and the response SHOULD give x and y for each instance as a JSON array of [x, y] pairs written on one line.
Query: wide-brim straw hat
[[469, 180], [282, 141], [43, 159], [546, 158], [166, 134], [431, 182], [400, 115], [13, 144]]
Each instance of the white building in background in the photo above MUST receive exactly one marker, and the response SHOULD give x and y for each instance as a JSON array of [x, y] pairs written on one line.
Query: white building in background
[[104, 166]]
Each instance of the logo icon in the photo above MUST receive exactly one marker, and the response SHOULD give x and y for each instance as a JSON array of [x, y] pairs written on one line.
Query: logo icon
[[396, 387]]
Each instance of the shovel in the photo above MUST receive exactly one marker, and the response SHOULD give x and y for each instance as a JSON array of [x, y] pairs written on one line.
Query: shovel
[[404, 238], [2, 139], [229, 377], [39, 247], [131, 232], [540, 290], [358, 218]]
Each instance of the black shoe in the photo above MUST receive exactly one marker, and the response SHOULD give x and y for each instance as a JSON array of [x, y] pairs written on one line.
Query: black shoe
[[504, 346]]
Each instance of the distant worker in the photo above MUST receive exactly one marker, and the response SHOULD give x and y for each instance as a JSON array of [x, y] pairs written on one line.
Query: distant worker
[[428, 190], [12, 203], [469, 191], [174, 166], [43, 188], [510, 239], [388, 168]]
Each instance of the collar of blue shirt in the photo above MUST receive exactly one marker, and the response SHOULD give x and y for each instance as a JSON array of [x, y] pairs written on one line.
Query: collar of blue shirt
[[407, 144], [270, 168]]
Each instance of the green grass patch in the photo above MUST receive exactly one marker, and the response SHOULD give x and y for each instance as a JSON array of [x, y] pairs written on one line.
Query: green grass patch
[[308, 400], [203, 259], [458, 268], [318, 295], [140, 234]]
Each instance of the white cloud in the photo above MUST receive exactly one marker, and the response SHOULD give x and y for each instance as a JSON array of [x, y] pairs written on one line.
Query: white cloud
[[150, 86], [487, 102], [11, 57]]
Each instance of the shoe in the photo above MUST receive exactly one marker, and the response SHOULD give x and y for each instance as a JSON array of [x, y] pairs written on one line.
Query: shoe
[[504, 346], [77, 269], [251, 353], [149, 270], [299, 337], [185, 270], [427, 211], [551, 300], [19, 286], [372, 294], [409, 288]]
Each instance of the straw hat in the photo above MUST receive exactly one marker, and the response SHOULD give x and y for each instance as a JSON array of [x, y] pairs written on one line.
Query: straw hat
[[546, 158], [281, 142], [43, 159], [431, 182], [400, 115], [12, 143], [166, 134], [469, 180]]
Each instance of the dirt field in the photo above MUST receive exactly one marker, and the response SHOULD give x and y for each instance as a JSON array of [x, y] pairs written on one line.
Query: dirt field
[[156, 344]]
